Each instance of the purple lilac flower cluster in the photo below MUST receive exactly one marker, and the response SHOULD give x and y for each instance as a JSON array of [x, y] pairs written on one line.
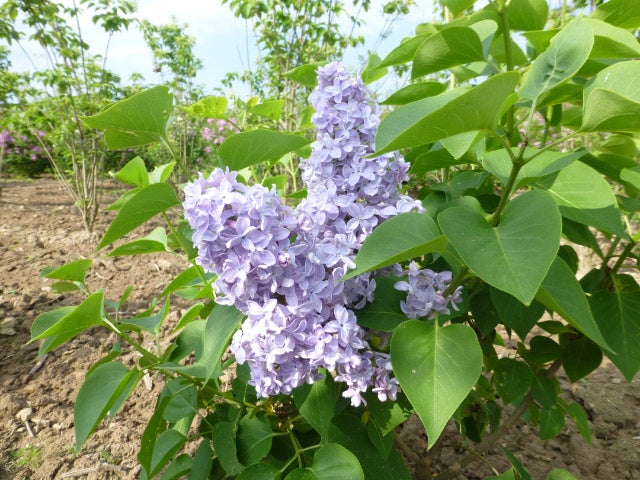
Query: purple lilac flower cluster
[[282, 266], [425, 293]]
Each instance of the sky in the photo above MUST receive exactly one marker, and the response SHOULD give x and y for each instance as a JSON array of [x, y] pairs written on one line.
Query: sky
[[221, 39]]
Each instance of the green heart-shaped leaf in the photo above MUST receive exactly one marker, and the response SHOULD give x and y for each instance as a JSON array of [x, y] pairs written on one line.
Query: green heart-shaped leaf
[[530, 227], [436, 368]]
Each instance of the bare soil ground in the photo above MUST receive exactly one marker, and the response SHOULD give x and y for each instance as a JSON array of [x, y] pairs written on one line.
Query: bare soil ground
[[39, 227]]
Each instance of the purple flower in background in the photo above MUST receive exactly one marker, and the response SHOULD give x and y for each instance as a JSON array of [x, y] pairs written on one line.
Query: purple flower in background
[[282, 267]]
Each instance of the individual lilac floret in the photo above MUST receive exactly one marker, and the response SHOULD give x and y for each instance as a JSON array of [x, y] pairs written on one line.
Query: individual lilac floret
[[425, 290]]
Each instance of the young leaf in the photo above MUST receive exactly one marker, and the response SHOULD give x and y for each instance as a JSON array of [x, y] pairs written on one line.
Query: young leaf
[[445, 115], [258, 146], [134, 173], [155, 242], [88, 314], [373, 71], [145, 204], [569, 50], [100, 390], [436, 368], [316, 403], [560, 474], [618, 316], [579, 416], [209, 107], [137, 120], [75, 271], [305, 74], [501, 255], [384, 246], [271, 109]]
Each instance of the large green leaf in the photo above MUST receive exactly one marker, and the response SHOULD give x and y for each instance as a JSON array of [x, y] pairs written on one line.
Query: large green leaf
[[316, 403], [501, 256], [97, 395], [618, 316], [622, 13], [245, 149], [561, 292], [527, 14], [137, 120], [612, 101], [436, 368], [584, 196], [384, 246], [447, 48], [145, 204], [569, 50], [447, 114]]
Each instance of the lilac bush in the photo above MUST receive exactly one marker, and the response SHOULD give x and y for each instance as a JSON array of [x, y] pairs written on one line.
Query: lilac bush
[[282, 266]]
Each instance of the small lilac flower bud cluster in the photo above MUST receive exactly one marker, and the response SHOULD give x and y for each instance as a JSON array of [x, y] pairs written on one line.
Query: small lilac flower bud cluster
[[282, 267], [425, 293]]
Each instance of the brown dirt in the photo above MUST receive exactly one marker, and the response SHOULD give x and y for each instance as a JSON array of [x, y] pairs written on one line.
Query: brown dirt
[[39, 227]]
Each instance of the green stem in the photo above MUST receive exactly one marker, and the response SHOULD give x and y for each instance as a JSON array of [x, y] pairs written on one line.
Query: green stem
[[506, 194], [623, 256], [143, 351]]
